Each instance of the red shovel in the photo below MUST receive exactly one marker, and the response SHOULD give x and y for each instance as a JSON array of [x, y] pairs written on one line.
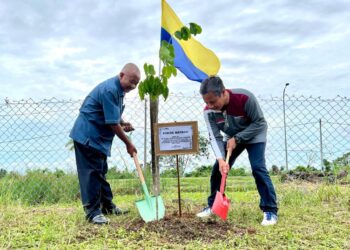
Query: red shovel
[[222, 203]]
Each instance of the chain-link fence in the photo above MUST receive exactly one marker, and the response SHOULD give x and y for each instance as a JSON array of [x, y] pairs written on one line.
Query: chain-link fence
[[34, 135]]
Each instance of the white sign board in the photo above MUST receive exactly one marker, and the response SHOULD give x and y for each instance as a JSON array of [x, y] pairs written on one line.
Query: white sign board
[[175, 138]]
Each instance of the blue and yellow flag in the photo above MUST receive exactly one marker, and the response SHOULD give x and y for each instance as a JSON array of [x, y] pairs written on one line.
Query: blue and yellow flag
[[191, 57]]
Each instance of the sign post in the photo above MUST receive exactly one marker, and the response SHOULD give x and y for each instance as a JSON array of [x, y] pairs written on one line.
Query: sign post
[[174, 139]]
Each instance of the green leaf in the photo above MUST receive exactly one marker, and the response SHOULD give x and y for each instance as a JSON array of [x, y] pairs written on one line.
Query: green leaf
[[150, 85], [149, 69], [165, 82], [165, 92], [165, 89], [141, 90], [185, 33], [195, 29], [166, 54], [172, 52], [174, 71], [158, 86], [178, 34], [165, 43], [145, 68], [166, 71]]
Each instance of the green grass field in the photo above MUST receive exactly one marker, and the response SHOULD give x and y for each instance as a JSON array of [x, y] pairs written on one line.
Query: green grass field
[[311, 216]]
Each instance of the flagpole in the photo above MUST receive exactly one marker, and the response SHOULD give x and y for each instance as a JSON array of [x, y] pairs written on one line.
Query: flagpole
[[155, 120]]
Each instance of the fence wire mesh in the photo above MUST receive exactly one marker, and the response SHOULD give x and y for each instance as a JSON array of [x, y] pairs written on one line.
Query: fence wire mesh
[[34, 134]]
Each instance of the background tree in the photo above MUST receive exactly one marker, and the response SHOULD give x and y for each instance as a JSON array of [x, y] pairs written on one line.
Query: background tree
[[186, 160]]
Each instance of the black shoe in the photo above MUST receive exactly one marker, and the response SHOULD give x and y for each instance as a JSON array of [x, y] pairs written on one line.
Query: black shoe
[[115, 210], [99, 219]]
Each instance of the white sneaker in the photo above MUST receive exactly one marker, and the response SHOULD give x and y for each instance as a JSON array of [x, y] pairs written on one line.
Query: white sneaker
[[99, 219], [206, 212], [269, 219]]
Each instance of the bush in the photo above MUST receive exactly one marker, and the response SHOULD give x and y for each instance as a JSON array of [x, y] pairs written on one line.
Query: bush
[[202, 171], [3, 172], [40, 186], [304, 169], [275, 170], [238, 172], [114, 173], [205, 171], [169, 173]]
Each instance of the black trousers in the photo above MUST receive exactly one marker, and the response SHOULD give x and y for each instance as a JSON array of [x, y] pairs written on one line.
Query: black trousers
[[96, 193], [256, 154]]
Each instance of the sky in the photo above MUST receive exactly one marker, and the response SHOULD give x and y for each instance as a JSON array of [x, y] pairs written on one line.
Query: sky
[[63, 49]]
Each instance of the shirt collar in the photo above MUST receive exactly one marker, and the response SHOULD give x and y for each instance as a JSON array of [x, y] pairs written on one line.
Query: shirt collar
[[119, 88]]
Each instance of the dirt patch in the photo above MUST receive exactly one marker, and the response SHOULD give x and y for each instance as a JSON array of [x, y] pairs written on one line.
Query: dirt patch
[[175, 229]]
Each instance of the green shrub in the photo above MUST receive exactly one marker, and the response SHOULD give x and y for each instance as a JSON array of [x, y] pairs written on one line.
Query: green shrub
[[202, 171], [304, 169], [275, 170], [169, 173], [3, 172], [205, 171], [40, 186], [114, 173], [238, 172]]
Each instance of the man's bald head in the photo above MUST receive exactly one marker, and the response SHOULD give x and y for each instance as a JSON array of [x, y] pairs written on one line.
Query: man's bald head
[[129, 77], [131, 68]]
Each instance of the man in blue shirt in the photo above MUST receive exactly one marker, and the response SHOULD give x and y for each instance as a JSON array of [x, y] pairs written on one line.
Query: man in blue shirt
[[100, 118]]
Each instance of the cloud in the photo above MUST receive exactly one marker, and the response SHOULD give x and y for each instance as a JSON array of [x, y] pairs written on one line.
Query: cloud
[[64, 48]]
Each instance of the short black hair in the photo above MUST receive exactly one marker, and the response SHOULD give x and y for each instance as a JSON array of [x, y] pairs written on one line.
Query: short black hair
[[212, 84]]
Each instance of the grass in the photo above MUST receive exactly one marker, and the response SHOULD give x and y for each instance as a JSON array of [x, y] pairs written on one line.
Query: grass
[[311, 216]]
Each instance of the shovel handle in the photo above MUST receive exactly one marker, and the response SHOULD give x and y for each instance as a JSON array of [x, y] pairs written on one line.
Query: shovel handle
[[224, 176], [139, 171]]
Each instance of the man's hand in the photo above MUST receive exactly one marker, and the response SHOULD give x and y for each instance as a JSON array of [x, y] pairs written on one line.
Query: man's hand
[[231, 144], [131, 149], [119, 131], [127, 127], [223, 166]]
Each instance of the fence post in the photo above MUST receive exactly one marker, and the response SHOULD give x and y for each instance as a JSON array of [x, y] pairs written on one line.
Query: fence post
[[285, 127], [321, 145], [145, 139]]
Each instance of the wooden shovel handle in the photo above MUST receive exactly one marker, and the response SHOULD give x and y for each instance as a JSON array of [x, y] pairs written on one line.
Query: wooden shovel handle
[[223, 176], [228, 155], [139, 171]]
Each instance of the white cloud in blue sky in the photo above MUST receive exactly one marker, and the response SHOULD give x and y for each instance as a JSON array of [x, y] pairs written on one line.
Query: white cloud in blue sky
[[64, 48]]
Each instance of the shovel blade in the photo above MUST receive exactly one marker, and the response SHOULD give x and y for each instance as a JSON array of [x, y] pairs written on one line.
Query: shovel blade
[[221, 205], [148, 210]]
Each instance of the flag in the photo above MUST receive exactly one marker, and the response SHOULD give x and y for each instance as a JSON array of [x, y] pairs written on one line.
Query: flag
[[194, 60]]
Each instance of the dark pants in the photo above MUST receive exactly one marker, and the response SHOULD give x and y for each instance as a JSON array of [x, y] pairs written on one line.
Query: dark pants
[[96, 193], [256, 153]]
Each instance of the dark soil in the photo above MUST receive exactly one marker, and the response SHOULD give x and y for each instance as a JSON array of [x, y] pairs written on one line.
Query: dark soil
[[175, 229]]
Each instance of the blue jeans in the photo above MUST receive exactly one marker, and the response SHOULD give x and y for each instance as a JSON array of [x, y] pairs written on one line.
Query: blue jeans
[[256, 153], [95, 191]]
